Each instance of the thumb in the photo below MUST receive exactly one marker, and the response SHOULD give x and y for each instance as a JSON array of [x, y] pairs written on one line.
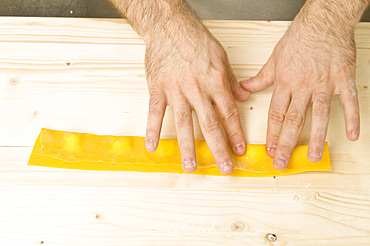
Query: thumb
[[237, 90], [263, 80]]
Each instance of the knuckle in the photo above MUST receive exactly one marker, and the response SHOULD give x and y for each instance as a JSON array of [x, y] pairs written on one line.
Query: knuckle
[[155, 112], [235, 135], [183, 118], [232, 77], [219, 76], [285, 148], [210, 124], [217, 69], [185, 147], [221, 153], [262, 74], [272, 137], [283, 78], [155, 106], [231, 115], [295, 120], [276, 116], [220, 53], [220, 84], [322, 105]]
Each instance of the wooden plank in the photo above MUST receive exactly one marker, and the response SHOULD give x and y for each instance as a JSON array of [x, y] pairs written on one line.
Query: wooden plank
[[88, 75], [124, 216], [62, 207]]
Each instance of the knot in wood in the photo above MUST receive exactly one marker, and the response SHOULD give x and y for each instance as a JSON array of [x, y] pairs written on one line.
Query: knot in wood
[[238, 226], [13, 81], [271, 237]]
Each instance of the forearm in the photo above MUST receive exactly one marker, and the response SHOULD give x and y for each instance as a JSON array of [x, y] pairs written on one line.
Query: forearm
[[159, 18], [332, 17]]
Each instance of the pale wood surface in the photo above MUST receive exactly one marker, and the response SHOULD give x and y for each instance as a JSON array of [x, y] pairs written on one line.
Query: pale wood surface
[[88, 75]]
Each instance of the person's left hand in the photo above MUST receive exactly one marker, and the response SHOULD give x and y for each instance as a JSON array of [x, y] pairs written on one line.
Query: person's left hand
[[307, 65]]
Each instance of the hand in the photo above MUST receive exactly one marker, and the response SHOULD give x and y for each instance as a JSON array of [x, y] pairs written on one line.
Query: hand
[[308, 64], [189, 70]]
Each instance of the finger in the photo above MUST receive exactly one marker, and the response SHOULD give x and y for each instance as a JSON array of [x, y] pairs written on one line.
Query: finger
[[157, 108], [292, 128], [229, 115], [185, 134], [238, 92], [278, 107], [349, 99], [212, 132], [263, 80], [319, 126]]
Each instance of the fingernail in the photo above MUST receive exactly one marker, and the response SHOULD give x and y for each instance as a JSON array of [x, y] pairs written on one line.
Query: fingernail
[[280, 163], [271, 150], [314, 153], [314, 156], [239, 148], [226, 167], [354, 134], [149, 145], [189, 164]]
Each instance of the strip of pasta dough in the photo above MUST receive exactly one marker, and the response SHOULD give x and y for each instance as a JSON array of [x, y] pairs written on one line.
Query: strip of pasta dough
[[85, 151]]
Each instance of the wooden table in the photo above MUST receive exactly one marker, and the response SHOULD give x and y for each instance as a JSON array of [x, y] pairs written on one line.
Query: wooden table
[[87, 75]]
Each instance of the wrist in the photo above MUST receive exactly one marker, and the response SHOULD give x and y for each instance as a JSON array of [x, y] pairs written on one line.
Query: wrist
[[164, 20]]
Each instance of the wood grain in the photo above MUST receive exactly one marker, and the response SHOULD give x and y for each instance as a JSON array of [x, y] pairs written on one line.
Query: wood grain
[[87, 75]]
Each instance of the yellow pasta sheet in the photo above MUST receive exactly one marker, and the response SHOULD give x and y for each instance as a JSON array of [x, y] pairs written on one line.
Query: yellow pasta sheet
[[114, 153]]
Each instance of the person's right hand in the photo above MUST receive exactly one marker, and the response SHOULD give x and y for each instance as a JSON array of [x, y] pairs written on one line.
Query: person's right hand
[[189, 70], [312, 62]]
